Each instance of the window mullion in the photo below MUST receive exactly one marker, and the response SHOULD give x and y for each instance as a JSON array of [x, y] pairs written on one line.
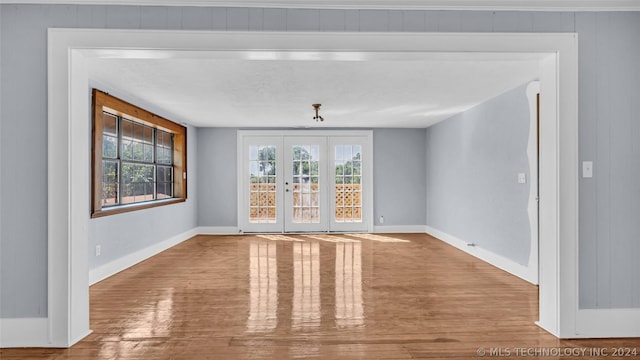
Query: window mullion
[[119, 156], [173, 173], [137, 162], [155, 163]]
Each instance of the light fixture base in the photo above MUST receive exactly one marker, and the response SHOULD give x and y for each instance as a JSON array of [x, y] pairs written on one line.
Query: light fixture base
[[317, 108]]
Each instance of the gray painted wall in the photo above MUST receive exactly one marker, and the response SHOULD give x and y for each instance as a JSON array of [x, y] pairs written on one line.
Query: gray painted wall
[[609, 106], [123, 234], [217, 177], [608, 80], [472, 164], [399, 187]]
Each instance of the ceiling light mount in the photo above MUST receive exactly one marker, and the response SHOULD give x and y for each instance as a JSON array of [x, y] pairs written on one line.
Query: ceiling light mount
[[317, 108]]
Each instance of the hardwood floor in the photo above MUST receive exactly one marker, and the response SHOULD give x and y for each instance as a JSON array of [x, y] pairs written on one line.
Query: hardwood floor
[[395, 296]]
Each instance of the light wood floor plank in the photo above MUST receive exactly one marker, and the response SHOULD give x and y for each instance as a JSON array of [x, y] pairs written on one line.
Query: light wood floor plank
[[396, 296]]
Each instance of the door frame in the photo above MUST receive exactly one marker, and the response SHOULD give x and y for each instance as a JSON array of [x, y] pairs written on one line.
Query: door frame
[[367, 178]]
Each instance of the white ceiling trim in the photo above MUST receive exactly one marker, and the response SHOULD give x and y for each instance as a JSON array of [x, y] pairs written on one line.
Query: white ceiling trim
[[488, 5]]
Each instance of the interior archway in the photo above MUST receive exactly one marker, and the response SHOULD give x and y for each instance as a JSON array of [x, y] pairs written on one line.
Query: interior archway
[[70, 49]]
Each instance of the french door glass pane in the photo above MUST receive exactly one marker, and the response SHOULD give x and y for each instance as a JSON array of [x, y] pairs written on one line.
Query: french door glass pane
[[348, 183], [262, 182], [306, 178]]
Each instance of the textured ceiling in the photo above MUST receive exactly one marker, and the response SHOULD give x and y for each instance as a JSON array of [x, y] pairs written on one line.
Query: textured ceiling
[[277, 89]]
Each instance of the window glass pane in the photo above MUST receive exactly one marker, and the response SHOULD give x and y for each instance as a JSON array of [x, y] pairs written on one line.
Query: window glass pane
[[148, 135], [357, 214], [162, 174], [339, 152], [347, 153], [137, 141], [163, 191], [147, 153], [357, 166], [314, 152], [348, 168], [127, 149], [167, 139], [109, 182], [339, 170], [109, 136], [138, 151], [165, 182], [357, 150], [162, 156], [109, 146], [253, 152], [135, 177], [138, 132], [164, 147], [126, 128], [109, 124]]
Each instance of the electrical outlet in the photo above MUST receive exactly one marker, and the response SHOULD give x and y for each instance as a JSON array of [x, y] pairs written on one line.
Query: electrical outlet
[[98, 250], [522, 178], [587, 169], [381, 220]]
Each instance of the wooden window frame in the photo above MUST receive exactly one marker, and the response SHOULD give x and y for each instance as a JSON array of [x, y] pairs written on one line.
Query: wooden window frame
[[102, 102]]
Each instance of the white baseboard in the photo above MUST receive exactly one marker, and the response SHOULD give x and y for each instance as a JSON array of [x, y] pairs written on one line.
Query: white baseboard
[[218, 230], [496, 260], [102, 272], [547, 328], [24, 332], [399, 229], [607, 323]]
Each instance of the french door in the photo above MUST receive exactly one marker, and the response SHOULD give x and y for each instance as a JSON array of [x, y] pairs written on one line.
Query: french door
[[302, 182], [305, 179]]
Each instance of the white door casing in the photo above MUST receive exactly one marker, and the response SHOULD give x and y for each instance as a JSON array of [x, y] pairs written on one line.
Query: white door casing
[[68, 153]]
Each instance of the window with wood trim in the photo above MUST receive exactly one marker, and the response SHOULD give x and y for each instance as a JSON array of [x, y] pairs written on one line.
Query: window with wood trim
[[139, 158]]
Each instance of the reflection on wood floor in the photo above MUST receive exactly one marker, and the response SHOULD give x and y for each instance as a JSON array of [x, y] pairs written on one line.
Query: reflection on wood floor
[[355, 296]]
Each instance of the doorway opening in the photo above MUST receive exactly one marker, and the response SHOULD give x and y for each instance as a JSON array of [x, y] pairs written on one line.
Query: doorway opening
[[68, 154]]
